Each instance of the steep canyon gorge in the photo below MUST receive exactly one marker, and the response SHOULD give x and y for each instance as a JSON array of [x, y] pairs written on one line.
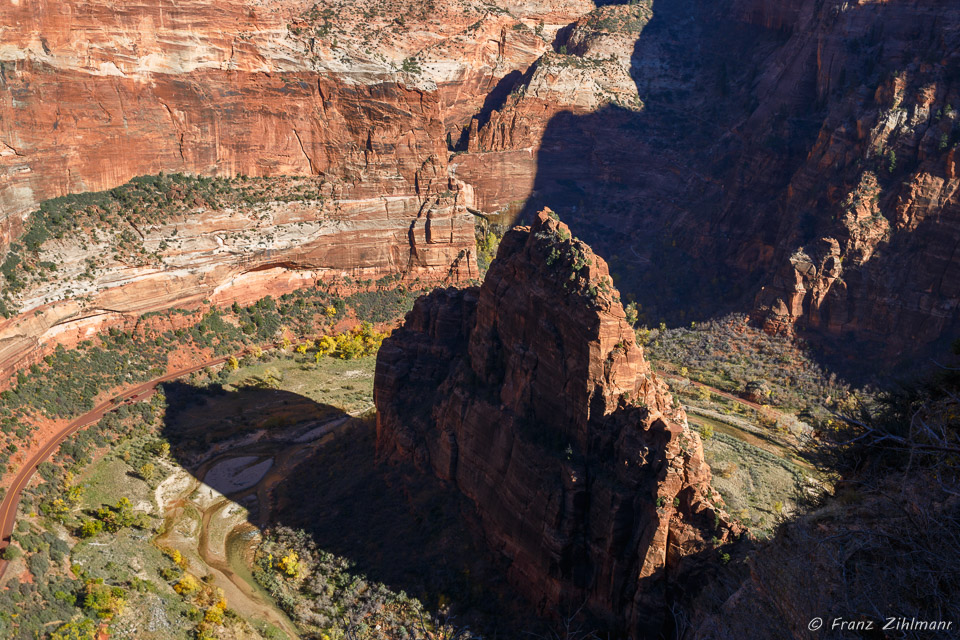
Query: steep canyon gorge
[[791, 160]]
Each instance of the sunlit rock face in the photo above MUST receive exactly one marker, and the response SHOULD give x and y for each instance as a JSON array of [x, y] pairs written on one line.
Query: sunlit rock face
[[792, 159], [530, 395]]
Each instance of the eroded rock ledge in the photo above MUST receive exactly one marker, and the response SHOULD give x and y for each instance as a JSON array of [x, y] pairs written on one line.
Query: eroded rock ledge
[[530, 395]]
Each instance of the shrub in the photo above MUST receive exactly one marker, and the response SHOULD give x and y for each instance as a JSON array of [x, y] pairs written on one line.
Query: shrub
[[187, 585], [147, 471], [12, 553], [84, 629], [103, 600]]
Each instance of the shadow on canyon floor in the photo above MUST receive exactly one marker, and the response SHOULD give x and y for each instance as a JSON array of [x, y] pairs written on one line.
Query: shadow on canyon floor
[[397, 526]]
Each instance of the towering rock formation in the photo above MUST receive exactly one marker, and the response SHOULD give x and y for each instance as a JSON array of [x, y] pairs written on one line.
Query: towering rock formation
[[531, 396], [796, 159]]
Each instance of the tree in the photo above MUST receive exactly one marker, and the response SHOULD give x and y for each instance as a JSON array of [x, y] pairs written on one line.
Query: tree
[[289, 565], [84, 629], [147, 471], [187, 585], [326, 345], [233, 364], [631, 312], [103, 600], [74, 495], [214, 615], [90, 528]]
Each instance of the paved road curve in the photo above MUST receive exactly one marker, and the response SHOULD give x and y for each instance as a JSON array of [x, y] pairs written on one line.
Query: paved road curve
[[8, 508]]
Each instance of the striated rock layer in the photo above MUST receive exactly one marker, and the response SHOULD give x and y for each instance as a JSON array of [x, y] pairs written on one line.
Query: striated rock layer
[[360, 99], [794, 159], [213, 255], [531, 396]]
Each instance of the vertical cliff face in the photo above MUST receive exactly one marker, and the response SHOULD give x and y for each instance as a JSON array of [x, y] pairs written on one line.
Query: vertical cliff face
[[531, 396], [94, 93], [796, 159]]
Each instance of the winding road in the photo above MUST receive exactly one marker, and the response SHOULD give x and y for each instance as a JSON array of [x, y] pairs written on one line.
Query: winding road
[[8, 508]]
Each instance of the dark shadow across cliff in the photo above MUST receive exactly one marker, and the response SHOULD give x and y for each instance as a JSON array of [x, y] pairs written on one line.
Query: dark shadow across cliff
[[633, 183], [397, 526], [690, 198]]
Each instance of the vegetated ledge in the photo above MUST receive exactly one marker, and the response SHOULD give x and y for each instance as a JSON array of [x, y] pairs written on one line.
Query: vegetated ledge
[[209, 242], [531, 396]]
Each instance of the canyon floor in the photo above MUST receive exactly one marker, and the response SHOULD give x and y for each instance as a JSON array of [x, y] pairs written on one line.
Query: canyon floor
[[246, 446], [215, 217]]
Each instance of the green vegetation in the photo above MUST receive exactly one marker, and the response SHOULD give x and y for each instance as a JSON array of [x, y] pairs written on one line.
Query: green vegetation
[[488, 235], [411, 65], [568, 257], [118, 578], [731, 355], [752, 480], [328, 597], [884, 543], [118, 215], [69, 382], [80, 582], [629, 19], [383, 304], [345, 384], [77, 505]]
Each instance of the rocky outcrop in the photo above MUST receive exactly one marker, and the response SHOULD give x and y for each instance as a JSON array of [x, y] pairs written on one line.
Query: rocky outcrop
[[796, 159], [530, 395], [720, 153]]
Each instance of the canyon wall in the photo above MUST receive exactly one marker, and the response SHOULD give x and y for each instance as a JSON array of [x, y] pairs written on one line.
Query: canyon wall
[[93, 94], [530, 395], [793, 159]]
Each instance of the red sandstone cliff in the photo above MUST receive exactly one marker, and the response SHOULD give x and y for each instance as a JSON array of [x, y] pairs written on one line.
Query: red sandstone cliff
[[531, 396], [733, 154], [793, 158], [361, 99]]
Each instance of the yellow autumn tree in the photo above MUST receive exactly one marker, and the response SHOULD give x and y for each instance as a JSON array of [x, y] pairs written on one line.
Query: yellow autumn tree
[[325, 345], [187, 585], [289, 565]]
